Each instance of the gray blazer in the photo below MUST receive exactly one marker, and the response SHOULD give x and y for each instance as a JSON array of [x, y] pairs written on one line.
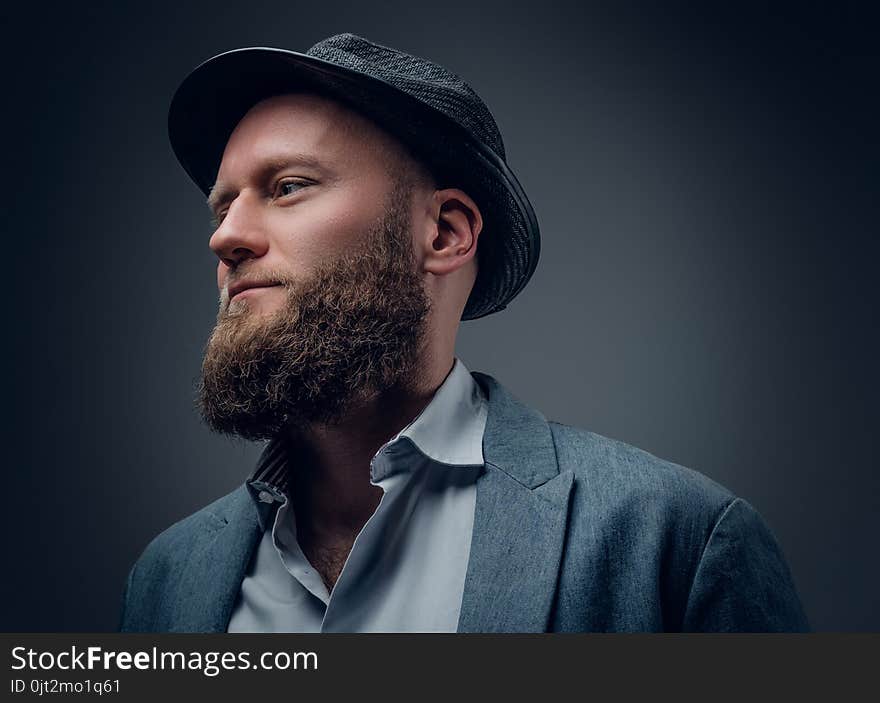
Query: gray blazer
[[573, 532]]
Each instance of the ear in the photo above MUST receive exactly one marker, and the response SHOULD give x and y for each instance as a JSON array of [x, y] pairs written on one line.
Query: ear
[[452, 239]]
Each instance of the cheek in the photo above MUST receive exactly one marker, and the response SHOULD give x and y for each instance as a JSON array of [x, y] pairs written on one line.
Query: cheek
[[324, 227], [345, 235], [308, 242]]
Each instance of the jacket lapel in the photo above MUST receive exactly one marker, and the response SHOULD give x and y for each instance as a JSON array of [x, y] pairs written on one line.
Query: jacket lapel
[[210, 583], [520, 521]]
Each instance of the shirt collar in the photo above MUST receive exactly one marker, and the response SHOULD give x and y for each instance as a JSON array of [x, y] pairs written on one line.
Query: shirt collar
[[448, 431]]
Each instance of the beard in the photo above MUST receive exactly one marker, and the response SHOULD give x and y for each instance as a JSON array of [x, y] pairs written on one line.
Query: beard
[[350, 331]]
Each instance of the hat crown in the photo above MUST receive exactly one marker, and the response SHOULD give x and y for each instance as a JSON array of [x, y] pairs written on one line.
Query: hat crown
[[420, 78]]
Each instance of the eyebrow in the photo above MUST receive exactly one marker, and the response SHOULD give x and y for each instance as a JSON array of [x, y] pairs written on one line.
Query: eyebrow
[[221, 193]]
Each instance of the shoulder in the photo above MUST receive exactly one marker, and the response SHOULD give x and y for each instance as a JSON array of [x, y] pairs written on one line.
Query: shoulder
[[665, 547], [176, 541], [618, 475], [634, 506], [154, 577]]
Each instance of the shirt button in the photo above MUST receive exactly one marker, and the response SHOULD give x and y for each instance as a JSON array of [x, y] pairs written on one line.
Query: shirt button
[[266, 497]]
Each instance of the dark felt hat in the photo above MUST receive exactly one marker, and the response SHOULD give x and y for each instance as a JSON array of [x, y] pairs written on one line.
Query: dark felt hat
[[428, 108]]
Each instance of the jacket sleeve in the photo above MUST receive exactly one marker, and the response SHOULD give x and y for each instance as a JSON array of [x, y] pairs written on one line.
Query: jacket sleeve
[[123, 613], [742, 582]]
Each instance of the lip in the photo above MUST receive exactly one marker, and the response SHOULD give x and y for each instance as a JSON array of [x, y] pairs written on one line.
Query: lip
[[237, 288]]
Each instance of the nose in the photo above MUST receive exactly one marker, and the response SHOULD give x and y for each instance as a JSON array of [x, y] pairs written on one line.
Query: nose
[[241, 234]]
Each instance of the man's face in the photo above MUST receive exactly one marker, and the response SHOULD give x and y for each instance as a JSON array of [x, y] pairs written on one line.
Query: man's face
[[310, 217], [301, 180]]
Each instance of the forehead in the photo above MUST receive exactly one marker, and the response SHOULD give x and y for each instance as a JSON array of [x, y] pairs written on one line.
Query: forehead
[[305, 124]]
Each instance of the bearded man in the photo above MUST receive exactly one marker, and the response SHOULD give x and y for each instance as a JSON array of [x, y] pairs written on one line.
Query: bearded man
[[362, 208]]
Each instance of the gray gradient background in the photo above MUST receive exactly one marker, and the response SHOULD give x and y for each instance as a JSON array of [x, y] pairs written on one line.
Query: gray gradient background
[[707, 190]]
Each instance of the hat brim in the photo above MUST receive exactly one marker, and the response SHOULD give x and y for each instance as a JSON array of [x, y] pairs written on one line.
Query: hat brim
[[214, 97]]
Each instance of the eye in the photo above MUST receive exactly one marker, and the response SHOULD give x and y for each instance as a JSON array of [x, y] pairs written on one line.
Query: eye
[[282, 189], [284, 184]]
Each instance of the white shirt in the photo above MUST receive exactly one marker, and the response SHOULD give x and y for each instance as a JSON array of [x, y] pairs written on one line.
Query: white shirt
[[406, 568]]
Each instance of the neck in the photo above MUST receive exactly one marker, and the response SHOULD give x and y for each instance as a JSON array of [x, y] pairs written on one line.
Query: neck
[[330, 477]]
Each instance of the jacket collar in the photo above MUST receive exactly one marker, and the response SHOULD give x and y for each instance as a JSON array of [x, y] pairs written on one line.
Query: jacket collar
[[516, 548]]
